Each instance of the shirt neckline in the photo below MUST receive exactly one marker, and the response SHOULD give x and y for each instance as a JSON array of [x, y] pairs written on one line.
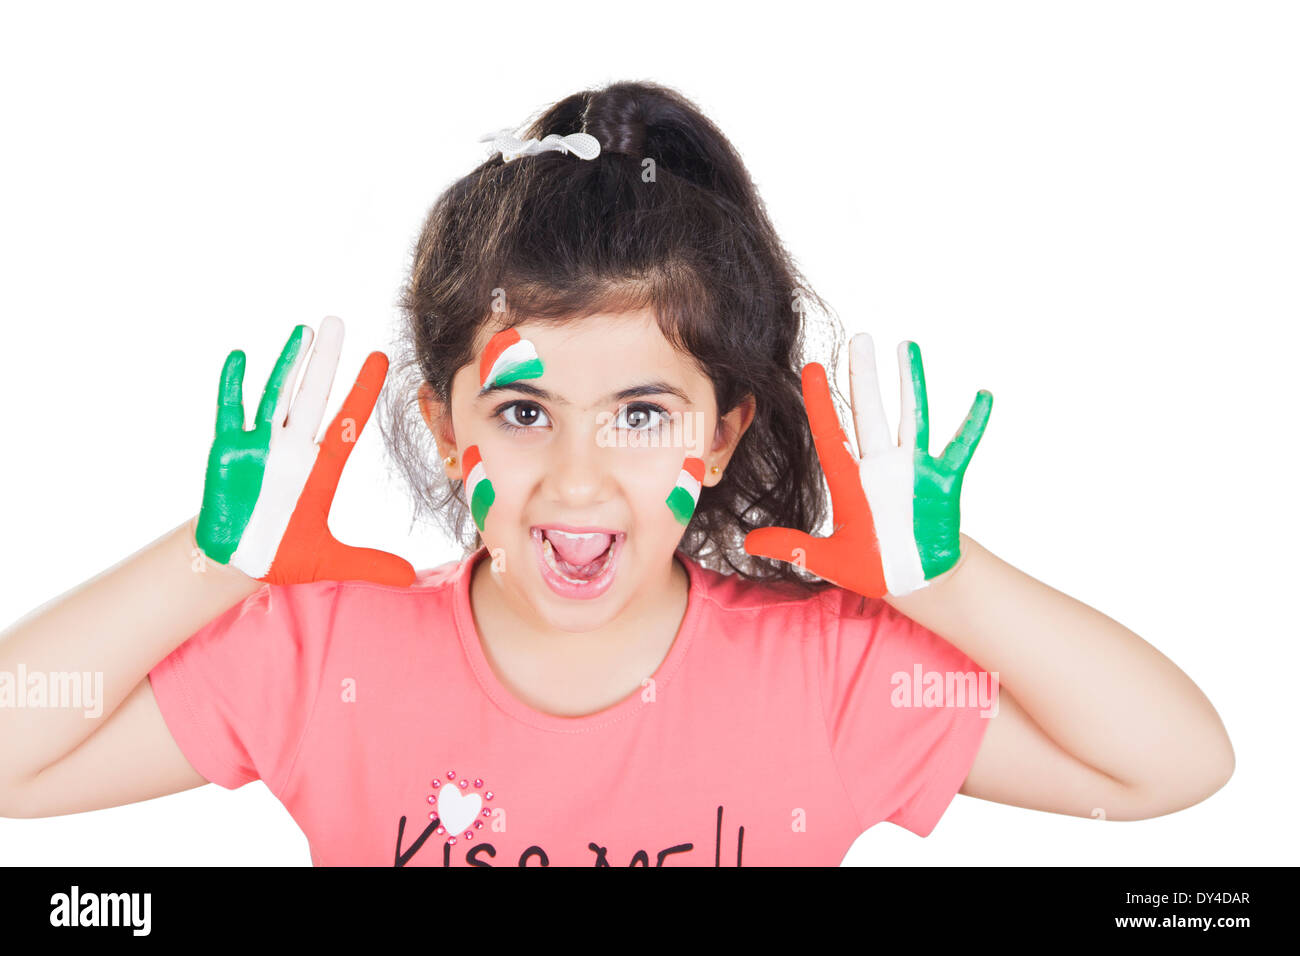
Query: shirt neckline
[[471, 643]]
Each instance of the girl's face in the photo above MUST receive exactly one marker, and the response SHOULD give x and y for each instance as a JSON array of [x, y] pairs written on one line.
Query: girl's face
[[600, 435]]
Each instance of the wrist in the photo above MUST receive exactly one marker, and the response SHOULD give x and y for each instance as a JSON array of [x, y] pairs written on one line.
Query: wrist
[[938, 586], [202, 562]]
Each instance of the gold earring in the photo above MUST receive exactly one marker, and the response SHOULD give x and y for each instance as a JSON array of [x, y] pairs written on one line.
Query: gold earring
[[715, 469], [449, 460]]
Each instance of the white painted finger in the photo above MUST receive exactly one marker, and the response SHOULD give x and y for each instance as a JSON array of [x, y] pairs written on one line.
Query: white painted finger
[[309, 409], [869, 422]]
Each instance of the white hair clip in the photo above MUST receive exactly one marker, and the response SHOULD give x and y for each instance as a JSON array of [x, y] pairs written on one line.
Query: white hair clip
[[582, 145]]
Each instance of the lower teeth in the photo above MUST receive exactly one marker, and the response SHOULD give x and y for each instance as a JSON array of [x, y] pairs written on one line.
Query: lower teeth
[[549, 553]]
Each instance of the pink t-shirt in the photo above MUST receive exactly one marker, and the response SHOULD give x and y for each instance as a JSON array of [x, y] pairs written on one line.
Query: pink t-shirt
[[771, 734]]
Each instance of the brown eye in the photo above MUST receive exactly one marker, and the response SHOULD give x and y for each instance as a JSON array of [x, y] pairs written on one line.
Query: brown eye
[[520, 416], [642, 417]]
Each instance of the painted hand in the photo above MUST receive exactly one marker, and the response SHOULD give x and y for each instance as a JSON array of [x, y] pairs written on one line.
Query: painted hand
[[895, 510], [268, 492]]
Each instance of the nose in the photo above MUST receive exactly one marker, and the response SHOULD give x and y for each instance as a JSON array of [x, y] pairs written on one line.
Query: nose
[[578, 470]]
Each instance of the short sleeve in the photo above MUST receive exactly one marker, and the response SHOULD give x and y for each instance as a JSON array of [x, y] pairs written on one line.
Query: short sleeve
[[237, 696], [905, 711]]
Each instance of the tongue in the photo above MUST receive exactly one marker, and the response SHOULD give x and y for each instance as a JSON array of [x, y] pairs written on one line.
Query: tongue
[[579, 551]]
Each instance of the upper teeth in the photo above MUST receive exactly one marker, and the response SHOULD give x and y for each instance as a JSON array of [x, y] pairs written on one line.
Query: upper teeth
[[575, 537]]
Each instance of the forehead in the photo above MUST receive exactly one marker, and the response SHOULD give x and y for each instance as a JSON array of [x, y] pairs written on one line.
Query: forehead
[[585, 358]]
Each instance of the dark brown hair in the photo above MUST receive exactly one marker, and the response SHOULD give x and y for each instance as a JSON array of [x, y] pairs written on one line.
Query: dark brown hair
[[665, 218]]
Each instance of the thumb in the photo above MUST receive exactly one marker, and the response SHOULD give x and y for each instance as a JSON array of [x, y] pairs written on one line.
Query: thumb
[[343, 562], [782, 544]]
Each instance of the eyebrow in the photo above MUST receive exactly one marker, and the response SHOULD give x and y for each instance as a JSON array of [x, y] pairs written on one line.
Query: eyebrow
[[648, 388]]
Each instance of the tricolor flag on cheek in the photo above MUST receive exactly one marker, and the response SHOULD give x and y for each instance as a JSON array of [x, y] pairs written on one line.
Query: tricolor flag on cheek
[[686, 493], [478, 490], [508, 358]]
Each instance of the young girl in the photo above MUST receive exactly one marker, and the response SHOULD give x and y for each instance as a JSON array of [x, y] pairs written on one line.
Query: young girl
[[646, 656]]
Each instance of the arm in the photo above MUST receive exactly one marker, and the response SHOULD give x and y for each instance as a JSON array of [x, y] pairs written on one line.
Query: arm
[[119, 624], [264, 518], [1090, 715]]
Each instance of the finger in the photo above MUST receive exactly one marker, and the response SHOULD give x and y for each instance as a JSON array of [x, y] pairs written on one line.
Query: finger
[[275, 397], [958, 453], [837, 461], [288, 390], [307, 412], [914, 417], [230, 396], [345, 430], [869, 422]]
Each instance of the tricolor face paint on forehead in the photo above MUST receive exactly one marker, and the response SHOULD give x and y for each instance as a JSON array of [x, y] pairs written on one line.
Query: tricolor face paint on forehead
[[508, 357], [682, 499], [479, 493]]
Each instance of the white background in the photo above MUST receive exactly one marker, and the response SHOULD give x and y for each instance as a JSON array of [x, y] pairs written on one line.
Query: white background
[[1090, 209]]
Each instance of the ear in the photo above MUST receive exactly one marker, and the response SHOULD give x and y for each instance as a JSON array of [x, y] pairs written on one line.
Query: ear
[[438, 417], [731, 428]]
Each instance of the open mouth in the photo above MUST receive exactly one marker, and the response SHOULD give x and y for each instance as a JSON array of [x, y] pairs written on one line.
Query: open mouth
[[577, 564]]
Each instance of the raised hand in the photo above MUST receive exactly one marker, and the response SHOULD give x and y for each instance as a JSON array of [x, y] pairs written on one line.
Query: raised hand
[[267, 496], [895, 510]]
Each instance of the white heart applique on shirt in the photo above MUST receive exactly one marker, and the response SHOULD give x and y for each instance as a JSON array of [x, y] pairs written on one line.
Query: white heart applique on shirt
[[457, 810]]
